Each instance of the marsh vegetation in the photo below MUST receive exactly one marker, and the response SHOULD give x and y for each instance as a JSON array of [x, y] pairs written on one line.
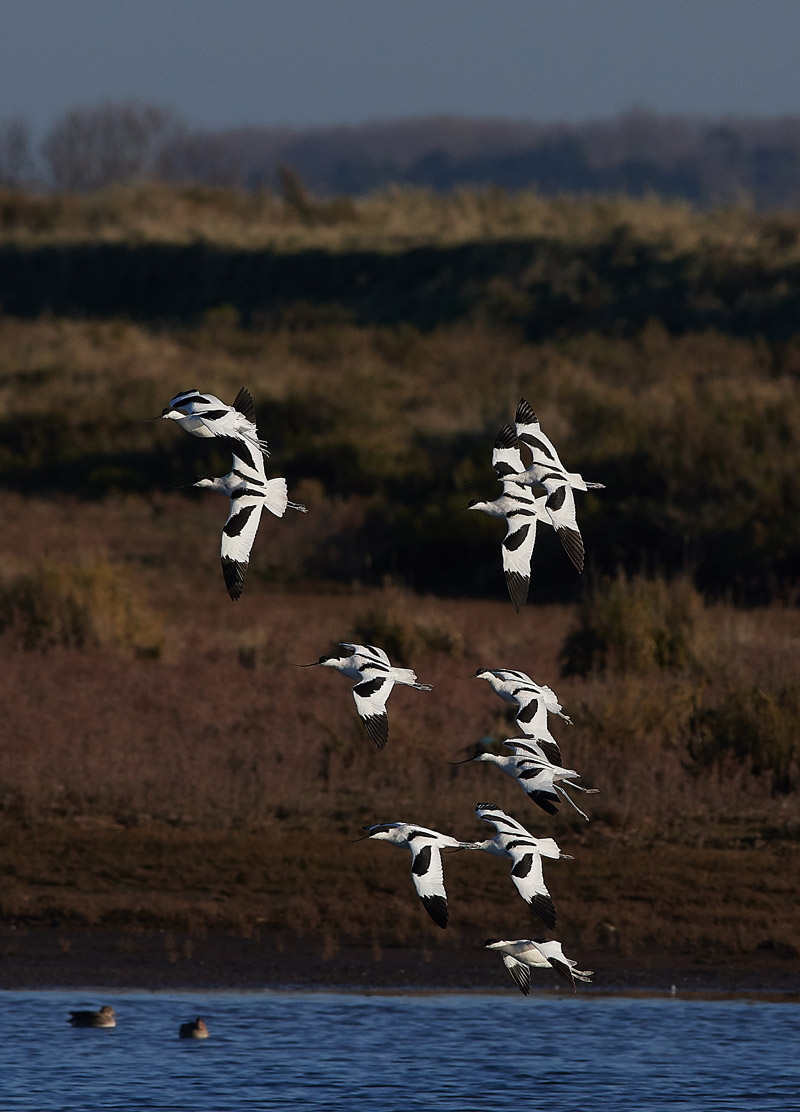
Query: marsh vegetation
[[165, 763]]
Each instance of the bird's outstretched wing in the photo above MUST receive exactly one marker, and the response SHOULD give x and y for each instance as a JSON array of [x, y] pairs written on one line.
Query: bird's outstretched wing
[[428, 877], [517, 549], [537, 780], [370, 695], [526, 872], [238, 534], [370, 653], [529, 432], [506, 457], [520, 972], [540, 748], [560, 506]]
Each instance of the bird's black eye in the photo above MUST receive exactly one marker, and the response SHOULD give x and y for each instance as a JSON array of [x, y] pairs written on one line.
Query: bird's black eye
[[472, 502]]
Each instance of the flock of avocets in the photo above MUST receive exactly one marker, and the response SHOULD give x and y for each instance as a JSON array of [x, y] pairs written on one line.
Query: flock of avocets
[[541, 490]]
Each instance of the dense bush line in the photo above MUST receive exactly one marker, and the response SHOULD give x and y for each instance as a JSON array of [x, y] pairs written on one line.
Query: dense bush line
[[387, 434]]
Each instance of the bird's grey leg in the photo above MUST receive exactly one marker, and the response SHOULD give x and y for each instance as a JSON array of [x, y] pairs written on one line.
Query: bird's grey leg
[[571, 802]]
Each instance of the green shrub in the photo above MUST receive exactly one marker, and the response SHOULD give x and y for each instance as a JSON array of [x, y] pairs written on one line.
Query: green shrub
[[79, 606], [755, 727], [635, 625]]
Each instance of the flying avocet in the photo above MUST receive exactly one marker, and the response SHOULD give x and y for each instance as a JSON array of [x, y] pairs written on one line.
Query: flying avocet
[[548, 471], [521, 507], [376, 677], [526, 853], [540, 779], [426, 861], [250, 492], [205, 415], [523, 954], [545, 457], [535, 701]]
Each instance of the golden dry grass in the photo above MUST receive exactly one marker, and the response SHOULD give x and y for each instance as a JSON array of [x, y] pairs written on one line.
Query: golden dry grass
[[390, 220]]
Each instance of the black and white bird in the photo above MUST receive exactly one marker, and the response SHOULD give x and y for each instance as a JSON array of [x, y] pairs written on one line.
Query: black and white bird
[[204, 415], [543, 453], [376, 677], [541, 780], [534, 701], [521, 507], [426, 861], [523, 954], [250, 492], [548, 471], [526, 852]]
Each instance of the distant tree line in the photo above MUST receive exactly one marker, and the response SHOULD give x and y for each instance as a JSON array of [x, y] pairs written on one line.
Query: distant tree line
[[702, 161]]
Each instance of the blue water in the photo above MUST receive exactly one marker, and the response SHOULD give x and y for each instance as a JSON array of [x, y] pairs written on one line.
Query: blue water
[[466, 1053]]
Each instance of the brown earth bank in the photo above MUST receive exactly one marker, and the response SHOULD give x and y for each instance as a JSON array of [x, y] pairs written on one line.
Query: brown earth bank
[[300, 904], [164, 960]]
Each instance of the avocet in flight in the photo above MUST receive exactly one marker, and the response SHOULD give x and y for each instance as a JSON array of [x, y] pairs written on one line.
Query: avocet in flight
[[535, 701], [526, 852], [541, 781], [205, 415], [514, 686], [376, 677], [544, 455], [426, 861], [250, 492], [523, 954], [521, 507]]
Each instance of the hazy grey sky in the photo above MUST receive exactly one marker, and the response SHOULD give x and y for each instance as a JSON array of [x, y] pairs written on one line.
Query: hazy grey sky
[[301, 62]]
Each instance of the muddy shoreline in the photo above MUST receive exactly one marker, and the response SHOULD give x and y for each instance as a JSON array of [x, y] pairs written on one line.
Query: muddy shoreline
[[51, 958]]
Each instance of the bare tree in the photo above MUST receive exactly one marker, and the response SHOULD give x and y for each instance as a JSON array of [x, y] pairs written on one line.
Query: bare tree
[[17, 168], [90, 148]]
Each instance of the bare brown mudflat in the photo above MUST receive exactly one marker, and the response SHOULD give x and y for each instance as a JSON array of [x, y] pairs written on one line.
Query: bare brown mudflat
[[46, 957]]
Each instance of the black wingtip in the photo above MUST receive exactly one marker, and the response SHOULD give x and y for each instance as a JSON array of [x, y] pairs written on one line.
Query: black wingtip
[[573, 546], [244, 404], [233, 572], [517, 589], [542, 907], [543, 800], [550, 750], [506, 438], [521, 976], [436, 907], [524, 414], [377, 728]]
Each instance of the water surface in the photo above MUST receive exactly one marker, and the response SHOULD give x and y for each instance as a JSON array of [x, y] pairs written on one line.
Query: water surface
[[388, 1053]]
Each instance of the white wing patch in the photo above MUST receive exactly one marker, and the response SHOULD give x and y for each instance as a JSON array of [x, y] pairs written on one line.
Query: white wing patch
[[370, 696], [428, 877], [238, 534]]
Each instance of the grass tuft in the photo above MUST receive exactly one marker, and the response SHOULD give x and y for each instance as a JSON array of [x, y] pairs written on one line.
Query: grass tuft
[[637, 624], [79, 606]]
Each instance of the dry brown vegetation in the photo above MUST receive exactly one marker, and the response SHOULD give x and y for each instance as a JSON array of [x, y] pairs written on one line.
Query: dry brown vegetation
[[390, 220], [165, 765], [220, 787]]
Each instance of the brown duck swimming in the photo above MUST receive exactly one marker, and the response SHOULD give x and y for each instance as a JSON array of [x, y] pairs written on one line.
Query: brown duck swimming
[[195, 1030], [104, 1018]]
